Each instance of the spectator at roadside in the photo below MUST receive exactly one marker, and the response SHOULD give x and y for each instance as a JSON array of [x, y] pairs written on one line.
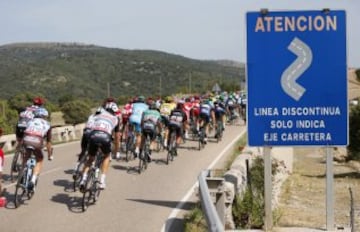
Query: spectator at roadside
[[2, 160]]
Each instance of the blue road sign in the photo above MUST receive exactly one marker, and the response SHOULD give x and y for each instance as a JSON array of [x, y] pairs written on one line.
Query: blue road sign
[[297, 78]]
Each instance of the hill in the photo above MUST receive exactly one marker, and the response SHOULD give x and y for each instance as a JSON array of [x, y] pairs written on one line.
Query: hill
[[89, 71]]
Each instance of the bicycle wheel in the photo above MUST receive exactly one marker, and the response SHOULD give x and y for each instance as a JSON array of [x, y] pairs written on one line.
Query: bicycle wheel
[[201, 138], [78, 172], [129, 148], [89, 193], [143, 160], [219, 131], [19, 189], [15, 164], [159, 143]]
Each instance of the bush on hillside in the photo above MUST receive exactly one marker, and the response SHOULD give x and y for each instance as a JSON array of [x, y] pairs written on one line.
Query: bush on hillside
[[354, 133], [75, 112]]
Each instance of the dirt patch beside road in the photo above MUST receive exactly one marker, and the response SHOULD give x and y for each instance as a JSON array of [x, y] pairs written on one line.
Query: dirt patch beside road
[[303, 195]]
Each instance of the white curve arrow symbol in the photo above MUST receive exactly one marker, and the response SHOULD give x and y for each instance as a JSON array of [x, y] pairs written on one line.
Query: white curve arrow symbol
[[296, 69]]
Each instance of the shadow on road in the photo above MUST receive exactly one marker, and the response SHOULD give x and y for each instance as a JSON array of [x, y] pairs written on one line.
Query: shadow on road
[[72, 202], [169, 204]]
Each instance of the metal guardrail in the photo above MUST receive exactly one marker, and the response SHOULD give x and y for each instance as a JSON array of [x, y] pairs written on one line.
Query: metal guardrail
[[212, 217]]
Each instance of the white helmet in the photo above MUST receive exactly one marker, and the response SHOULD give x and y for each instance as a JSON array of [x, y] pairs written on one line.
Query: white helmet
[[111, 107]]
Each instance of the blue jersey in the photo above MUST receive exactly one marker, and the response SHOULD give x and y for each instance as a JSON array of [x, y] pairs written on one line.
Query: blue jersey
[[138, 109]]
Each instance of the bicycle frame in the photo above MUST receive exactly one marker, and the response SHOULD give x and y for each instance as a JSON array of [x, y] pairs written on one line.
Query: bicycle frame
[[24, 178]]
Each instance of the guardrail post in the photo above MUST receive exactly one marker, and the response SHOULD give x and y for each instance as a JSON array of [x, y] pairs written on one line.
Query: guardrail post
[[212, 200]]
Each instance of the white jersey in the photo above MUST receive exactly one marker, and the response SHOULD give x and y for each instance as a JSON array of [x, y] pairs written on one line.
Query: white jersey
[[105, 122], [37, 127]]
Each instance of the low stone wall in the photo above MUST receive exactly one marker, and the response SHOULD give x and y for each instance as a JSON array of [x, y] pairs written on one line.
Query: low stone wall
[[59, 134]]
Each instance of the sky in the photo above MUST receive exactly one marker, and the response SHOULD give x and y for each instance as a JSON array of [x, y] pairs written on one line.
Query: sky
[[198, 29]]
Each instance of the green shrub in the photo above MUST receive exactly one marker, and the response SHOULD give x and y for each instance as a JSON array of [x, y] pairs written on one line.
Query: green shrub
[[249, 208], [354, 133], [76, 111], [195, 220]]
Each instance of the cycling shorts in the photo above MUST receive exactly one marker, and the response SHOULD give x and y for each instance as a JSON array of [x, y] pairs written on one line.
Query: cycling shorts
[[102, 139], [149, 128], [177, 128], [205, 117], [20, 132]]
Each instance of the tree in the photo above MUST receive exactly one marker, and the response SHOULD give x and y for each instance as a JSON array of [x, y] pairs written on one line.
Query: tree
[[354, 133], [76, 111]]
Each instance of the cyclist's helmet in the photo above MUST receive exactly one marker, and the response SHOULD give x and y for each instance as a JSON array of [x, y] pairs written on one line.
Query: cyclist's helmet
[[99, 110], [110, 99], [111, 107], [168, 99], [153, 106], [141, 99], [41, 113], [180, 105], [38, 101]]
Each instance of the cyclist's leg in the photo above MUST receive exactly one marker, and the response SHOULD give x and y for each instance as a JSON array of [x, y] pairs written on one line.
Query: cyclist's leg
[[106, 149], [139, 139]]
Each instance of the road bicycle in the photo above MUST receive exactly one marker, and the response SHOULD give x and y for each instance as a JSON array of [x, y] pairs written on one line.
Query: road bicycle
[[172, 147], [159, 142], [23, 181], [144, 155], [16, 162], [130, 144], [92, 188], [201, 137], [219, 130]]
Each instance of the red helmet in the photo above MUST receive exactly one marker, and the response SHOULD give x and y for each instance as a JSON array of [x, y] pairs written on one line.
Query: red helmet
[[38, 101]]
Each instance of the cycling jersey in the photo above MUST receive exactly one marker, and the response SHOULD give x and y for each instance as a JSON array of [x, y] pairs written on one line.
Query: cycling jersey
[[138, 109], [35, 132], [2, 160], [26, 115], [105, 122], [125, 113], [166, 108], [177, 118], [150, 121]]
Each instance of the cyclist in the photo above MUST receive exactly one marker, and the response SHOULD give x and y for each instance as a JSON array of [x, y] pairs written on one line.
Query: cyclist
[[165, 110], [220, 112], [25, 116], [115, 153], [230, 107], [125, 114], [151, 125], [2, 161], [206, 115], [177, 119], [105, 124], [138, 108], [85, 137], [187, 109], [37, 130]]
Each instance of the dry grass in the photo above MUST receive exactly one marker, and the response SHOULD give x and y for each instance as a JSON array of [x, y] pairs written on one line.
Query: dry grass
[[303, 194]]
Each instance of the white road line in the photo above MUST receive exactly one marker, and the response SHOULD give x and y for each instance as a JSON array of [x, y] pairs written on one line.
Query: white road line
[[182, 202]]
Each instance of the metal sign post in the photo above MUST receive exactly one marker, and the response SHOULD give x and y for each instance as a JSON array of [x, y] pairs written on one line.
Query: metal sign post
[[329, 190], [268, 188]]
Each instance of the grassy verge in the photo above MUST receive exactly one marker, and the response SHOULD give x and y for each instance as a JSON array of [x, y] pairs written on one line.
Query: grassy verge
[[195, 219]]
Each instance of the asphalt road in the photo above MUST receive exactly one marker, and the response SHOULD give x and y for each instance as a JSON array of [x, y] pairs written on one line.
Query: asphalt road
[[151, 201]]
